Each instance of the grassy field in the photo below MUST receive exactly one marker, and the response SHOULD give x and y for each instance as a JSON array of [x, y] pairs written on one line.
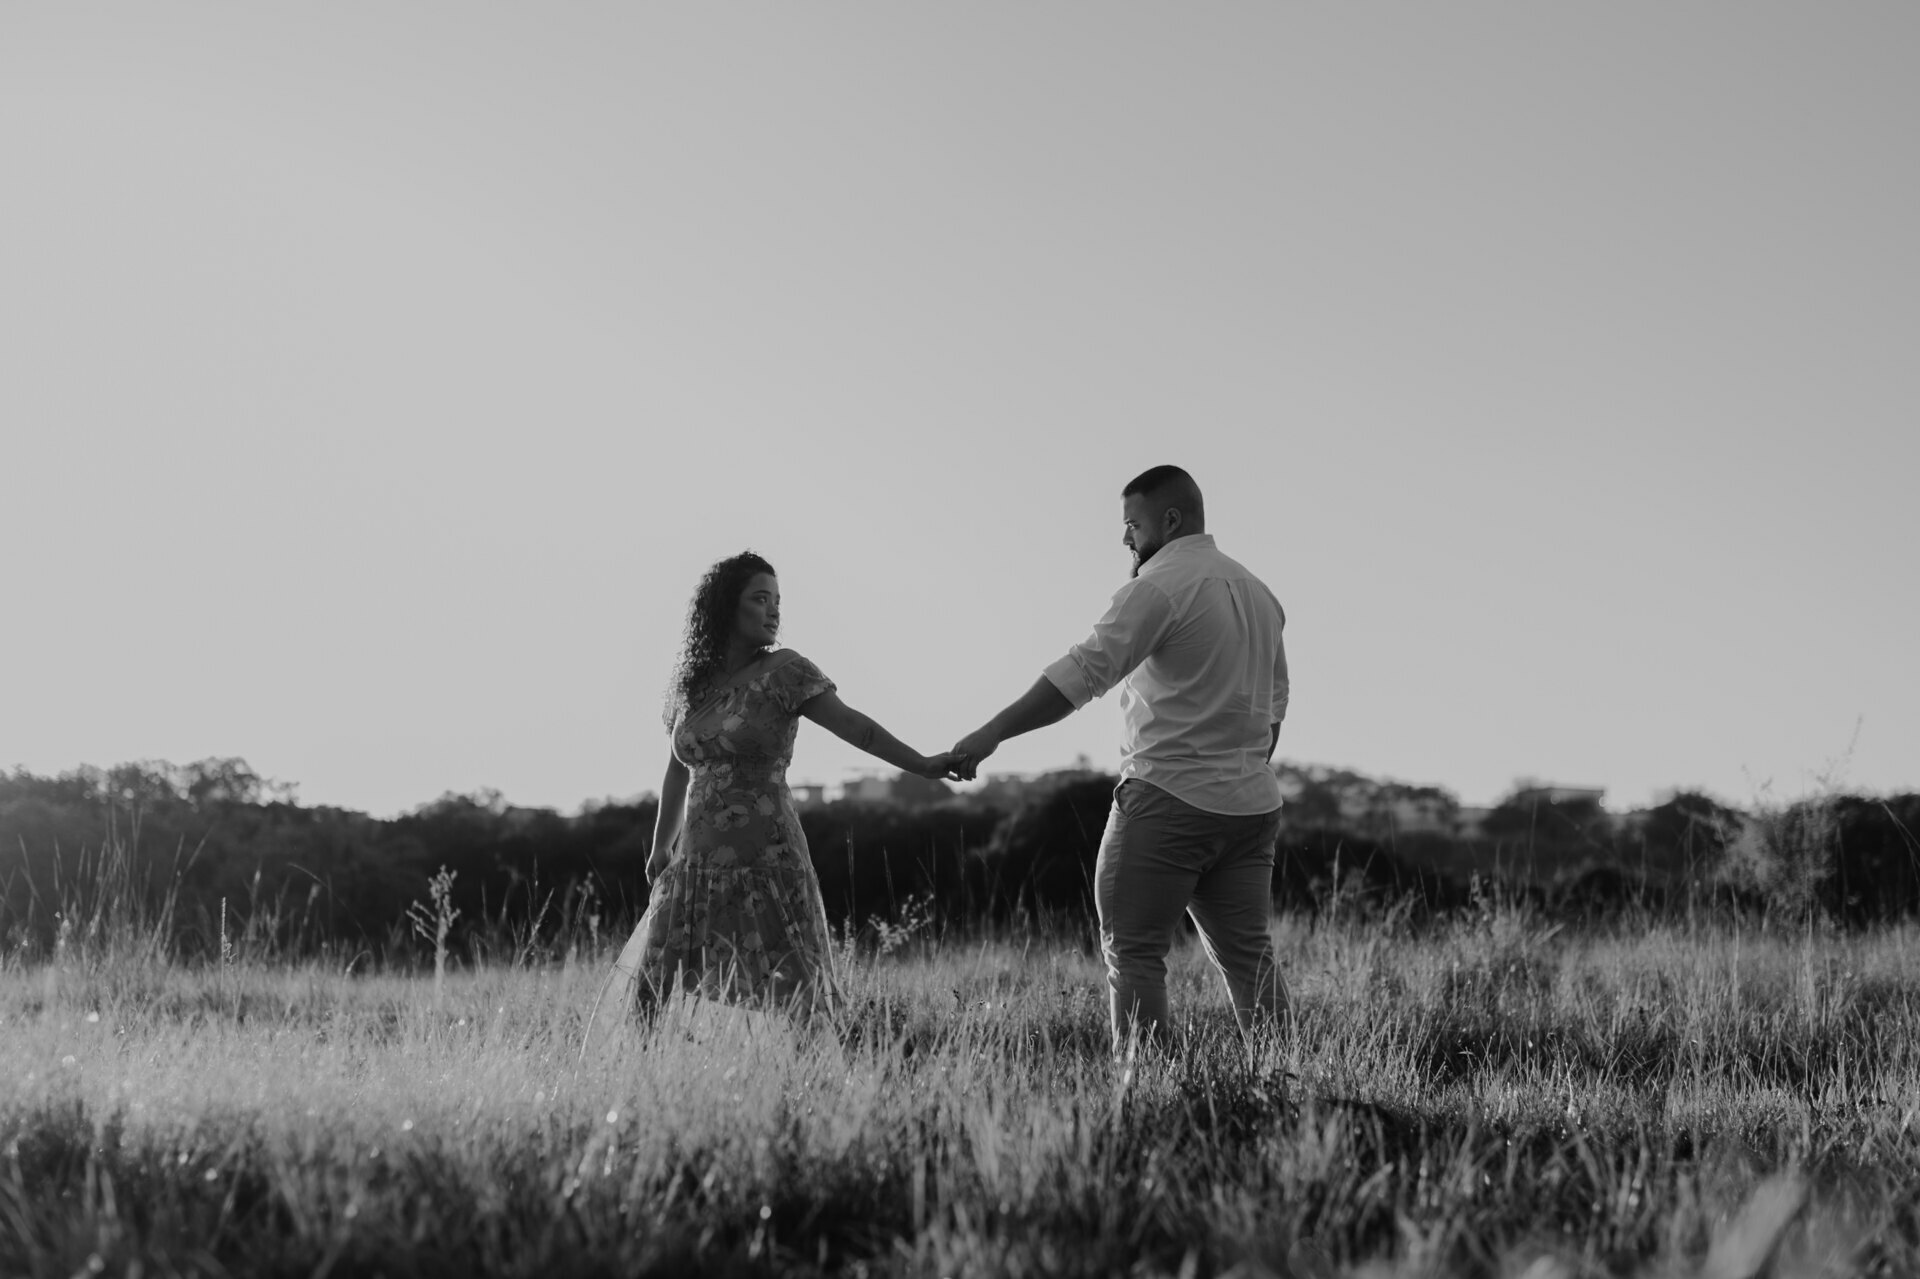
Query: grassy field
[[1489, 1096]]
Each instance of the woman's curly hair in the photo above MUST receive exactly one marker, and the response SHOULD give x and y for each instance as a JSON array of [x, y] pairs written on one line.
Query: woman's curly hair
[[703, 649]]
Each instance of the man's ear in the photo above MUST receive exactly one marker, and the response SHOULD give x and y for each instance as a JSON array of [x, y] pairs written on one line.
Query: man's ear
[[1170, 522]]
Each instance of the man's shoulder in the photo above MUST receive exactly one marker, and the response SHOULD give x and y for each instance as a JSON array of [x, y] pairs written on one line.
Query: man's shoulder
[[1221, 567], [1209, 561], [1145, 581]]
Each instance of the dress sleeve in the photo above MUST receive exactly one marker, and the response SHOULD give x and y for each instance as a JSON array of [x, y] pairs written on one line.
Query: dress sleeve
[[796, 682]]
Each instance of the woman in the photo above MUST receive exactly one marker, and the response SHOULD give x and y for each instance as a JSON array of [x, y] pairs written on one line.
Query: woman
[[735, 912]]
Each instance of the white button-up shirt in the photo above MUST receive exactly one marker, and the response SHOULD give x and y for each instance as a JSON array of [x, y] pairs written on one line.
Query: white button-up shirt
[[1194, 644]]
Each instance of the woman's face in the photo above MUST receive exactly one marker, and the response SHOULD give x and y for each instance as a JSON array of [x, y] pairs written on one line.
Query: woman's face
[[757, 620]]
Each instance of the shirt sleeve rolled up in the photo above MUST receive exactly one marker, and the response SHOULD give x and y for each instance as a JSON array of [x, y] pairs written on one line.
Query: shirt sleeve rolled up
[[1133, 626]]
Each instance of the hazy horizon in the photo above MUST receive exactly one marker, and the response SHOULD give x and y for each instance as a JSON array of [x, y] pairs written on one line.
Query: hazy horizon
[[1820, 784]]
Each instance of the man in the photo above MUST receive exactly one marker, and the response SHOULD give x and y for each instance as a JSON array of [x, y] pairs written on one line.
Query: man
[[1193, 642]]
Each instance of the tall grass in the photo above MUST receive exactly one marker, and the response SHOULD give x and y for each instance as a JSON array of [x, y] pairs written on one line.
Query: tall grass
[[1490, 1095]]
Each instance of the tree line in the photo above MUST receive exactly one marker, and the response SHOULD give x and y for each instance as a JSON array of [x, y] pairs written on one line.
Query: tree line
[[224, 858]]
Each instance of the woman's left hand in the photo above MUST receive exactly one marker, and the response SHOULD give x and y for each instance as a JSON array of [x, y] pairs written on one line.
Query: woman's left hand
[[941, 766], [657, 862]]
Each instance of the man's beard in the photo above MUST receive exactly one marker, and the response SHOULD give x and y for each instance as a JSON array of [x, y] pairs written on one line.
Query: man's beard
[[1140, 559]]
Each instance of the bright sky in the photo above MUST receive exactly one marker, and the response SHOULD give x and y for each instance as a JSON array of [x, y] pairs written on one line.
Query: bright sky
[[376, 380]]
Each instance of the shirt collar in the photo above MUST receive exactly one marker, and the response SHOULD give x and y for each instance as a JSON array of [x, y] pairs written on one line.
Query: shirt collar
[[1179, 545], [1191, 542]]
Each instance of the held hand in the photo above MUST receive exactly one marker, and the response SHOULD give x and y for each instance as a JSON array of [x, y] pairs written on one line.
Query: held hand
[[940, 767], [973, 748]]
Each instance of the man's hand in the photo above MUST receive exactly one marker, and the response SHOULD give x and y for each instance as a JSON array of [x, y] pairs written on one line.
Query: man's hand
[[970, 750], [1039, 706]]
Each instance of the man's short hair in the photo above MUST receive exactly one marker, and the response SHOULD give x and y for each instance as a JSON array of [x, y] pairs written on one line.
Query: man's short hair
[[1167, 481], [1153, 479]]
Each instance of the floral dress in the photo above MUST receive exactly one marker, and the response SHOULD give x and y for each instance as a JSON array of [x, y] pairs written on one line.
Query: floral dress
[[736, 915]]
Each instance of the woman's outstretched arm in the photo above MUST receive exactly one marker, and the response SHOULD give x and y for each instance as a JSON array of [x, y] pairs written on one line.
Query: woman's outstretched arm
[[849, 725], [673, 804]]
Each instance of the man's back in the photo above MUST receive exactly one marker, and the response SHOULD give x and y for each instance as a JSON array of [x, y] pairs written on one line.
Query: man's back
[[1200, 708]]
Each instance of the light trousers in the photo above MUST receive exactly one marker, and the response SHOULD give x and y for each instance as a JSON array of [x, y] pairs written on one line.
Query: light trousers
[[1161, 856]]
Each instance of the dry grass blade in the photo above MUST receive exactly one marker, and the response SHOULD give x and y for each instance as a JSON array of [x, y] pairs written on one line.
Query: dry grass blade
[[1744, 1249]]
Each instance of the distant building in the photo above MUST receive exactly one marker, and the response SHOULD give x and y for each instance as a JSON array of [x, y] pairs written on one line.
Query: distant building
[[1082, 767], [1529, 791], [1470, 823], [1003, 790], [1009, 791], [904, 790], [809, 795], [869, 789], [1426, 811]]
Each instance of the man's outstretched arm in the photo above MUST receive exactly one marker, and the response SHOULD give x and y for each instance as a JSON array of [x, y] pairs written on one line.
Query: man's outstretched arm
[[1039, 706], [1133, 627]]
